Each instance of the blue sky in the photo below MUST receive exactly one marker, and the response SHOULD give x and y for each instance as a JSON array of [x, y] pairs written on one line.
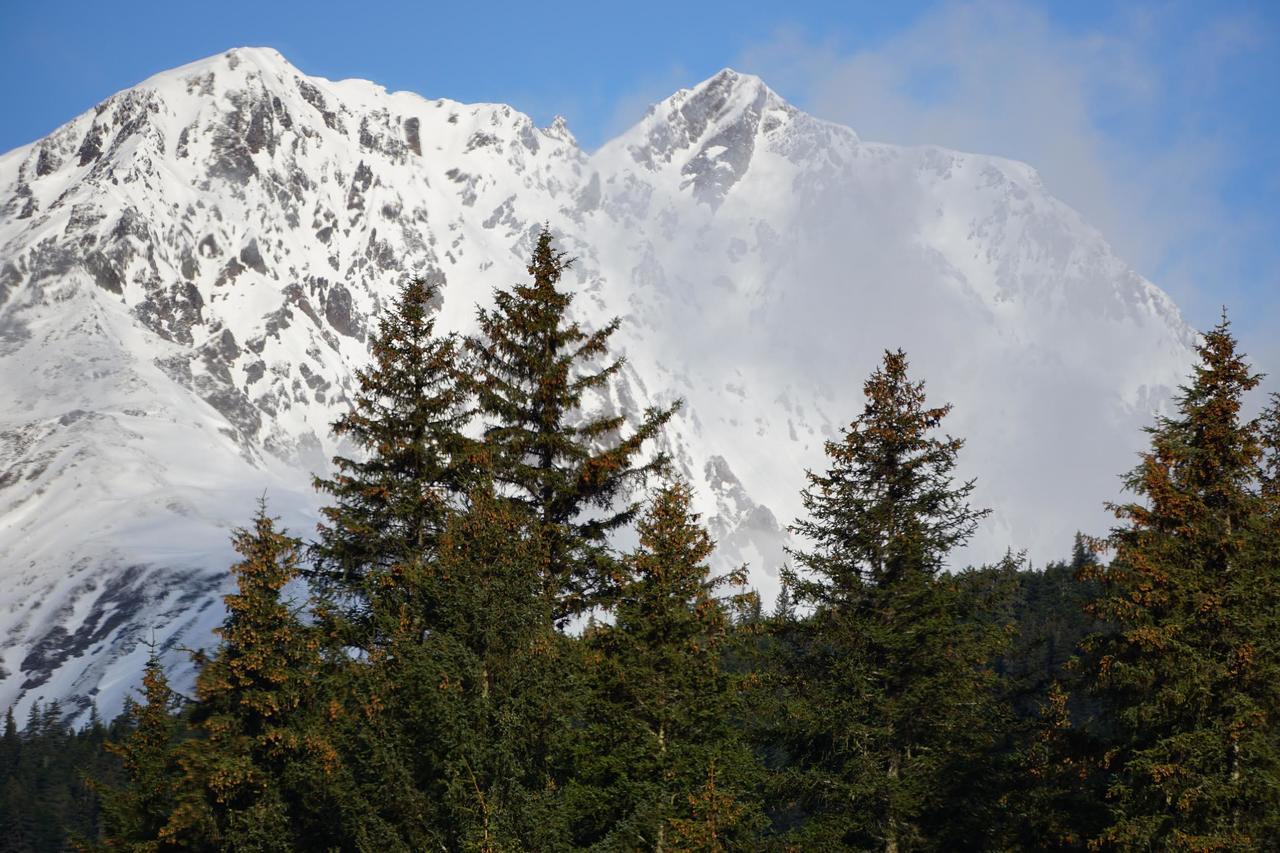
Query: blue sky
[[1158, 120]]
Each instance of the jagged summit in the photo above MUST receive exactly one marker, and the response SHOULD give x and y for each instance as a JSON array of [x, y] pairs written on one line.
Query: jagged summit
[[559, 129], [708, 136], [244, 59], [189, 271], [722, 97]]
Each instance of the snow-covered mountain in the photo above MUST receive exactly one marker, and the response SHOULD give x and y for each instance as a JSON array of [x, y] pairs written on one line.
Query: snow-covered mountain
[[189, 271]]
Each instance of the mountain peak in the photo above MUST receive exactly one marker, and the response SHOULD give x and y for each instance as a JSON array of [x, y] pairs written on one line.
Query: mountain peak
[[725, 98], [708, 133], [730, 79], [253, 53], [559, 129], [237, 60]]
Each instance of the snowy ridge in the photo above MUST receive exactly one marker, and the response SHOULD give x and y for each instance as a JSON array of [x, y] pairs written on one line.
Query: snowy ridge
[[188, 274]]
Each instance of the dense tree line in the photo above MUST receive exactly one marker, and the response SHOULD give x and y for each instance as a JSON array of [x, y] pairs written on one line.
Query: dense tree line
[[478, 667]]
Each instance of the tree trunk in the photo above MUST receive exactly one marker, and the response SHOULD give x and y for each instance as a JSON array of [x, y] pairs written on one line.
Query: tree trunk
[[662, 820], [891, 831]]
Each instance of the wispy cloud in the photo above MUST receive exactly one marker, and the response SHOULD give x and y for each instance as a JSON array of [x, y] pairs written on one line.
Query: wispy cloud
[[1141, 122]]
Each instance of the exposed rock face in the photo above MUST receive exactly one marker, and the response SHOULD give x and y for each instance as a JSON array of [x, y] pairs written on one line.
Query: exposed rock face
[[189, 271]]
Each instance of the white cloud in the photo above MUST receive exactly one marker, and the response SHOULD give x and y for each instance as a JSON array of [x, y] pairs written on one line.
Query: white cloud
[[1113, 118]]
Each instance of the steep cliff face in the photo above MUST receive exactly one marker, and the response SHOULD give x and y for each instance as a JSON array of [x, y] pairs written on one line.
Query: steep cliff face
[[188, 274]]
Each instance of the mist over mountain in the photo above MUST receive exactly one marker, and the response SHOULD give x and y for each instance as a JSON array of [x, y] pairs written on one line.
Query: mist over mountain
[[189, 271]]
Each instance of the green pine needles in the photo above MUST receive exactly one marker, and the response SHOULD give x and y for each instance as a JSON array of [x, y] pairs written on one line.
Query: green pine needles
[[533, 366], [1191, 677], [408, 419], [889, 695]]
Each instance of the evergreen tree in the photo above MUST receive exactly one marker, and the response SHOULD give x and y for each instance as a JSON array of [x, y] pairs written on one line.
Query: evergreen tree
[[45, 803], [480, 683], [265, 772], [663, 765], [230, 794], [715, 819], [1269, 424], [10, 745], [1045, 799], [1191, 679], [784, 608], [135, 814], [774, 655], [891, 697], [407, 419], [568, 470], [1055, 799], [390, 508]]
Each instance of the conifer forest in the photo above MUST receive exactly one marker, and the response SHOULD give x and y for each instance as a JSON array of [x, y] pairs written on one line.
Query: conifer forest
[[466, 657]]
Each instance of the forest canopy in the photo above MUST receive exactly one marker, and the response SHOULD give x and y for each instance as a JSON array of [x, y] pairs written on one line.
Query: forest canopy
[[477, 664]]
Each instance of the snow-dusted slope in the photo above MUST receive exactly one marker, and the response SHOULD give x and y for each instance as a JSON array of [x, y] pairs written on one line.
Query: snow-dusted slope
[[189, 271]]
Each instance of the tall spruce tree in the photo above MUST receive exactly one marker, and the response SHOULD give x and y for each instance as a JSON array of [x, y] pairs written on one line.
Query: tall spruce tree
[[407, 419], [135, 813], [1190, 682], [571, 472], [663, 763], [390, 508], [890, 690], [263, 771], [482, 684]]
